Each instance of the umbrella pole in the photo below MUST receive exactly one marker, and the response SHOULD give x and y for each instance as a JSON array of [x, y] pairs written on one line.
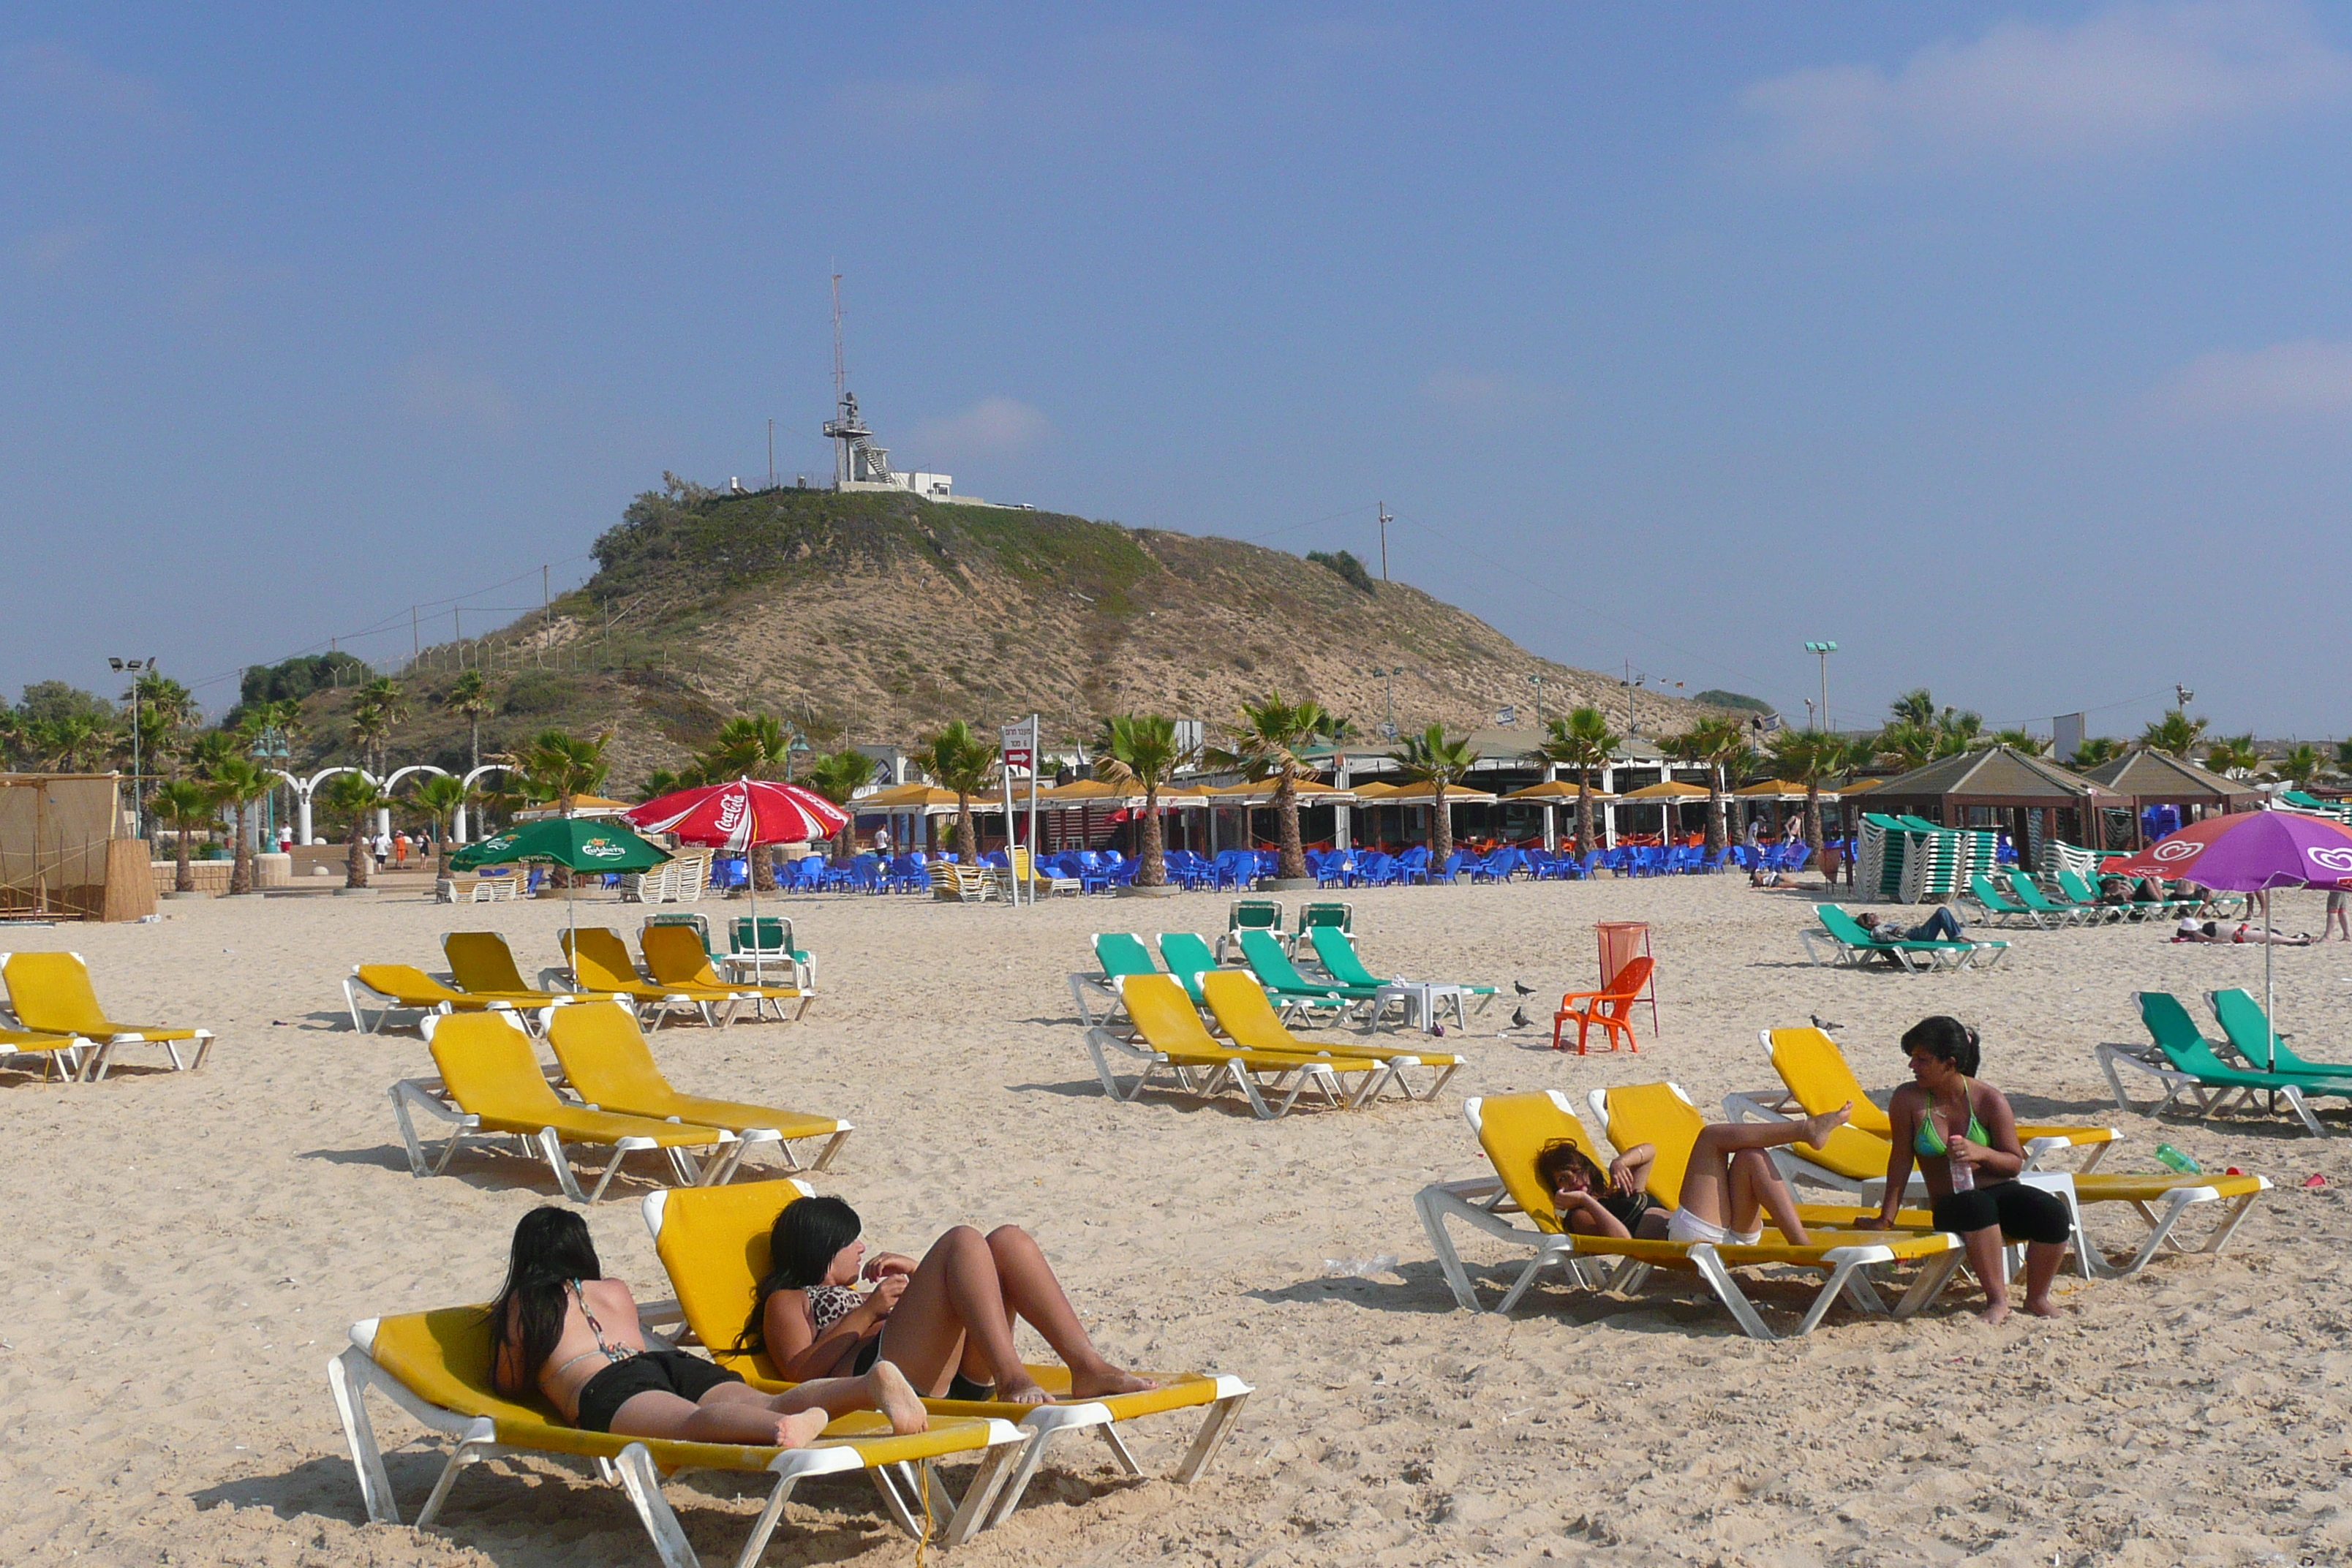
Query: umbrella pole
[[2270, 995]]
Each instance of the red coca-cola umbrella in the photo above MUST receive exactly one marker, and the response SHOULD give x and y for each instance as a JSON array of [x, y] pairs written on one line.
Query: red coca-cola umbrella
[[739, 817]]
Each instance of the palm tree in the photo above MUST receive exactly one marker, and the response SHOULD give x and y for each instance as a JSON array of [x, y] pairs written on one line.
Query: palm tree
[[1141, 750], [2019, 741], [1269, 740], [2096, 750], [838, 776], [755, 747], [1906, 744], [2301, 764], [186, 806], [2233, 756], [237, 784], [1721, 745], [2176, 734], [2344, 756], [1916, 707], [442, 794], [1581, 741], [1432, 759], [356, 796], [561, 766], [958, 759], [1809, 757], [470, 696], [370, 729]]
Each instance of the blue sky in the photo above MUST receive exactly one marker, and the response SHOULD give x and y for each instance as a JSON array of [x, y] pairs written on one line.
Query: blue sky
[[2008, 345]]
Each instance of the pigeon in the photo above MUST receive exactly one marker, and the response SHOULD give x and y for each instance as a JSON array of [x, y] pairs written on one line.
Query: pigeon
[[1519, 1020], [1522, 988], [1823, 1025]]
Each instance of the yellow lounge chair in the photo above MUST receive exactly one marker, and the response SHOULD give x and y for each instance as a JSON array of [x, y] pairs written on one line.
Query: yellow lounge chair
[[48, 1048], [1513, 1129], [1176, 1042], [675, 956], [483, 966], [606, 1059], [600, 961], [714, 1244], [50, 993], [491, 1086], [1818, 1079], [1249, 1020], [1815, 1072], [402, 988], [437, 1367]]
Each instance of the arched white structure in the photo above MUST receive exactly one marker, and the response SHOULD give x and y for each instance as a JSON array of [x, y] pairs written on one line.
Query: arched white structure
[[304, 789], [384, 813], [459, 830]]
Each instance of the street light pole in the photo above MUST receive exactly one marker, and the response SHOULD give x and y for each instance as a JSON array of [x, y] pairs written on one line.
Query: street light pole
[[1538, 682], [1822, 651]]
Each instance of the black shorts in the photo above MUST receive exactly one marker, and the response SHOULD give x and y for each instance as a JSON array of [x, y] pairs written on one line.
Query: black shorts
[[663, 1372], [2024, 1213]]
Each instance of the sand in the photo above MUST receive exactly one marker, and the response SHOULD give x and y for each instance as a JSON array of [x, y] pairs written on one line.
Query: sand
[[187, 1251]]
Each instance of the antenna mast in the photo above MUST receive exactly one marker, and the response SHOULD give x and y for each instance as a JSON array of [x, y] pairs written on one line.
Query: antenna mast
[[855, 458]]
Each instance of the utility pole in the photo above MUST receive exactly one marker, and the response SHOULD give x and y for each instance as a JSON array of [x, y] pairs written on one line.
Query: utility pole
[[1385, 521], [540, 651], [771, 454], [416, 638], [1538, 682]]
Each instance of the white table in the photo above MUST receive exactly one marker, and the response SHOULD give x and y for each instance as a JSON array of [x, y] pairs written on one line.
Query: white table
[[1421, 1000]]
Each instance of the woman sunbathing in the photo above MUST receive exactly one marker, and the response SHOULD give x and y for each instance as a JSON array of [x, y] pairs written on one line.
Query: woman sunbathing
[[1964, 1139], [1728, 1186], [946, 1322], [560, 1326]]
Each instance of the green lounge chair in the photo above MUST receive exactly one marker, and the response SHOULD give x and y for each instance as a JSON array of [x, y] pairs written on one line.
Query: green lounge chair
[[1852, 944], [2183, 1062], [2071, 883], [1119, 952], [2026, 891], [1993, 907], [1330, 913], [1264, 954], [1188, 957], [1342, 961], [1249, 914], [2244, 1024]]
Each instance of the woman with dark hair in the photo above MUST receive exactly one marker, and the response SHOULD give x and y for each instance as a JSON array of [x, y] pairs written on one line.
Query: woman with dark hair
[[1964, 1139], [946, 1321], [561, 1326], [1729, 1185]]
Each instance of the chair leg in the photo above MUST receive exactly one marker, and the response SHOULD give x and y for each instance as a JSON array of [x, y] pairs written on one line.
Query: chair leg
[[346, 1376], [641, 1481], [550, 1145], [1209, 1438], [1726, 1289]]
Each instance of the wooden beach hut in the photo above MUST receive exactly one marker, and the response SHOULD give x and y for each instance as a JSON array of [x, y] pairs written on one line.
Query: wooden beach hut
[[2145, 778], [1998, 786]]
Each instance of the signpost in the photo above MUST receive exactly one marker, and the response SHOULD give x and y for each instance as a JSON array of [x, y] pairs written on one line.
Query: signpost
[[1018, 744]]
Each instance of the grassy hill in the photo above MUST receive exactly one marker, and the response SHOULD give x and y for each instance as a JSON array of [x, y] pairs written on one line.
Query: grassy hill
[[876, 618]]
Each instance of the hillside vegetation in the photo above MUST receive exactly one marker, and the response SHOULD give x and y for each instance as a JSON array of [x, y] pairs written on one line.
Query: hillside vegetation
[[876, 618]]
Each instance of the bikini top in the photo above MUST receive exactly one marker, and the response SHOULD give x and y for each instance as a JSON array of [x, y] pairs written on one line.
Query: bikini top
[[1928, 1142], [612, 1354]]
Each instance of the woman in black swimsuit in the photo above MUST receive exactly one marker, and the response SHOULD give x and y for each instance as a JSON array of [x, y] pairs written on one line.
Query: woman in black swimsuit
[[946, 1321], [561, 1326]]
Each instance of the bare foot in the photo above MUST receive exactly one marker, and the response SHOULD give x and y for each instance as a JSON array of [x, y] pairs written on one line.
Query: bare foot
[[1021, 1390], [2042, 1306], [896, 1397], [1996, 1313], [1819, 1128], [1105, 1383], [800, 1429]]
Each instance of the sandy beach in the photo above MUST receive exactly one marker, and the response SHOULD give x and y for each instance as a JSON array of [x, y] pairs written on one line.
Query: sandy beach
[[188, 1250]]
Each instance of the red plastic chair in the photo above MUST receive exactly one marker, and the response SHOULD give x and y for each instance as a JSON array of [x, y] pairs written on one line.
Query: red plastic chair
[[1609, 1008]]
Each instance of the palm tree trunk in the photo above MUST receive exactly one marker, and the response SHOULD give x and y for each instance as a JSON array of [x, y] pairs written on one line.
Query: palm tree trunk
[[1714, 811], [1583, 813], [967, 835], [1813, 816], [1154, 872], [355, 864], [182, 880], [1290, 861], [240, 876], [1441, 824]]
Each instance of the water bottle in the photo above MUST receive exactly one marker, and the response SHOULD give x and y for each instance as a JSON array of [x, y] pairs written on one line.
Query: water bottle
[[1964, 1175], [2177, 1160]]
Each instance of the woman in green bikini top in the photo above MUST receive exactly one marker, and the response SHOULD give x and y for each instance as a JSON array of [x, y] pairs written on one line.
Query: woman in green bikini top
[[1971, 1175]]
